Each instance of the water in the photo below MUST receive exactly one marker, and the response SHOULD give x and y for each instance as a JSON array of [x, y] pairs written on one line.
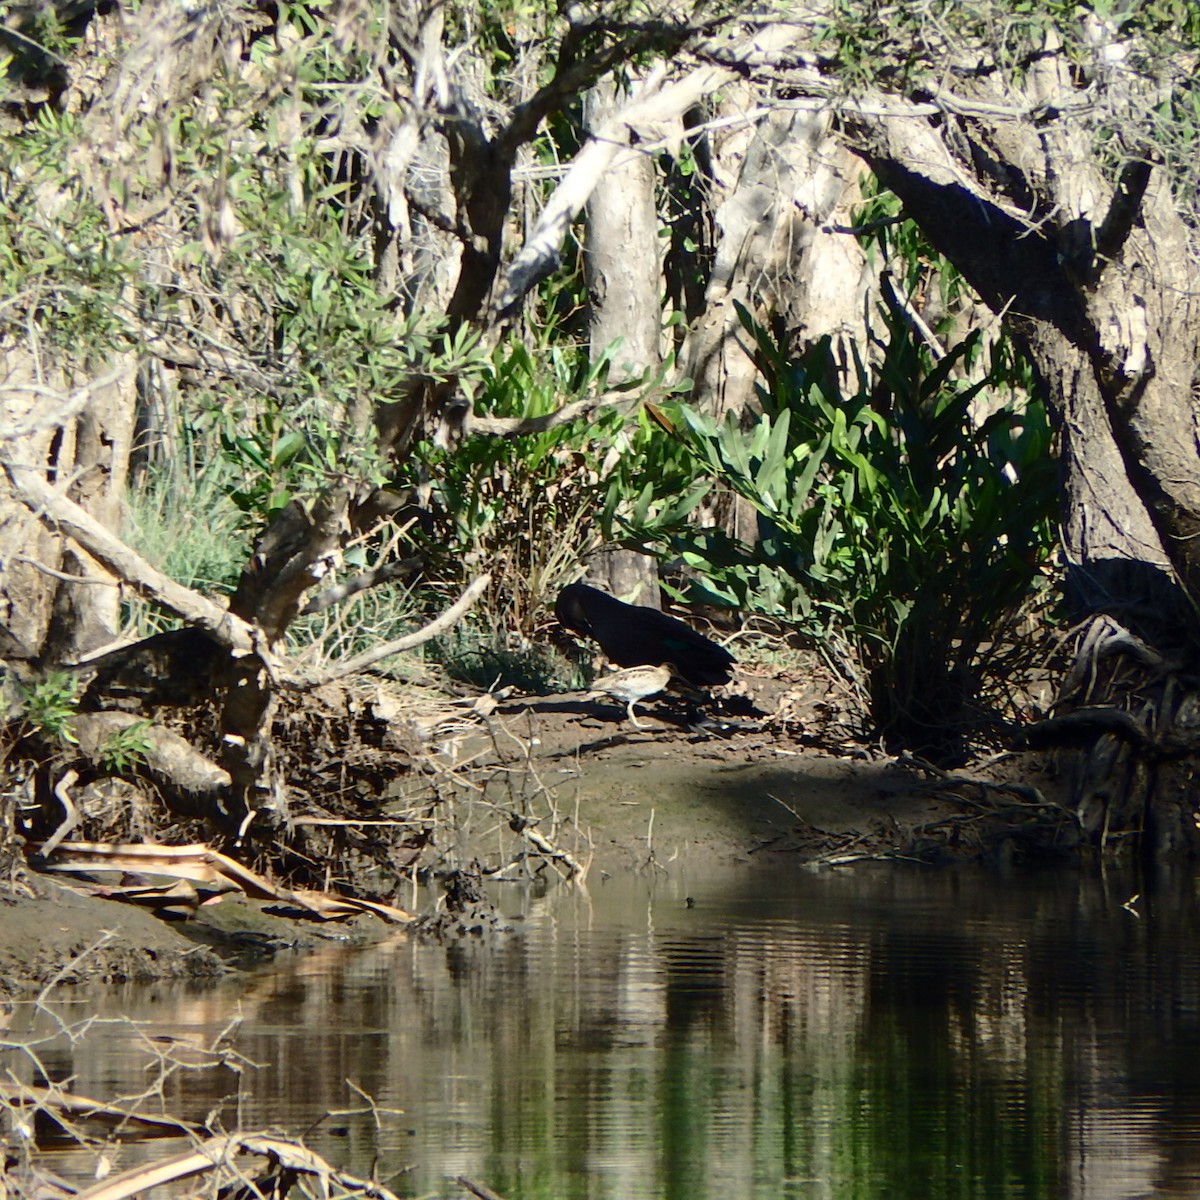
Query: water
[[881, 1032]]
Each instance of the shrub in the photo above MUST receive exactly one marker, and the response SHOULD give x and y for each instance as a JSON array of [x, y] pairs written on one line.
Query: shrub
[[901, 518]]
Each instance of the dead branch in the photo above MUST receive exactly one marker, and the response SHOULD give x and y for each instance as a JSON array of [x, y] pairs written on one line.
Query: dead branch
[[163, 750], [62, 789], [653, 106], [55, 1100], [575, 869], [60, 410], [368, 658], [481, 1190], [520, 426], [63, 514], [217, 1155], [404, 568]]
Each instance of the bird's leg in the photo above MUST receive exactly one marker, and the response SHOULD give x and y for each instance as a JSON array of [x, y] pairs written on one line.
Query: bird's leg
[[633, 718]]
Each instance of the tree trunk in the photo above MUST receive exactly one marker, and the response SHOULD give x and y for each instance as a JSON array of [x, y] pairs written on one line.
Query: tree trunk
[[622, 269], [777, 186], [85, 454], [776, 254], [1099, 284]]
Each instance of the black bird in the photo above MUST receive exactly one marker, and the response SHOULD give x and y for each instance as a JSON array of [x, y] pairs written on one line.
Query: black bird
[[633, 636]]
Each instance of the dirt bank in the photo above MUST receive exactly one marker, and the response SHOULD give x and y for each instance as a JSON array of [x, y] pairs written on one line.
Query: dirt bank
[[769, 772], [786, 783]]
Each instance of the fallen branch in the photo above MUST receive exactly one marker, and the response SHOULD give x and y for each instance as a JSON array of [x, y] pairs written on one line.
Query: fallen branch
[[217, 1155], [62, 513], [75, 1105], [196, 609], [62, 789], [481, 1190], [202, 864]]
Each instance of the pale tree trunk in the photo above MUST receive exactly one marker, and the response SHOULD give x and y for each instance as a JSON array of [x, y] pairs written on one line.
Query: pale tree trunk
[[88, 615], [622, 267], [28, 550], [85, 454], [781, 188]]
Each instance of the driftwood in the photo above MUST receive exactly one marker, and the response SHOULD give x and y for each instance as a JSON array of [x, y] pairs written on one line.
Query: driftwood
[[204, 865], [481, 1190], [71, 1104], [217, 1155]]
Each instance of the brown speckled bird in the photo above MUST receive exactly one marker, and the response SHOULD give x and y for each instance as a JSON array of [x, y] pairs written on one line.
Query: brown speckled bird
[[632, 685]]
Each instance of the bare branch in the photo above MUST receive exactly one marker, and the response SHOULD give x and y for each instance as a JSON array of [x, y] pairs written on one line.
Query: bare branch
[[653, 105], [60, 411], [360, 583], [62, 789], [63, 514], [519, 426], [368, 658]]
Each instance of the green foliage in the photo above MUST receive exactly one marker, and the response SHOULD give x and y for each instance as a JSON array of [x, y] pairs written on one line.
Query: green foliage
[[486, 658], [124, 750], [185, 522], [49, 706], [60, 266], [904, 517]]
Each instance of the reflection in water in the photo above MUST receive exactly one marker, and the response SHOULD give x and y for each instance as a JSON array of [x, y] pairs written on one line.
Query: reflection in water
[[888, 1032]]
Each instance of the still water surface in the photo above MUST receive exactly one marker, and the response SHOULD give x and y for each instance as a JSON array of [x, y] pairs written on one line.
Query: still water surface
[[880, 1032]]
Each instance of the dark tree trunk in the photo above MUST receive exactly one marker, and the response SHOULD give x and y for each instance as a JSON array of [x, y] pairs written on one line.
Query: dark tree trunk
[[1099, 284]]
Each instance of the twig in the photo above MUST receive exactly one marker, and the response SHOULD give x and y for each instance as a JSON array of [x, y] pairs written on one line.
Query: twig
[[360, 583], [62, 789], [575, 868], [477, 1189], [63, 575]]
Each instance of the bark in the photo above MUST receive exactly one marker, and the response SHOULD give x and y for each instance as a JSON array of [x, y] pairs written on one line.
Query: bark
[[62, 602], [776, 253], [1099, 281], [88, 615], [778, 187], [622, 268], [37, 420], [1114, 409]]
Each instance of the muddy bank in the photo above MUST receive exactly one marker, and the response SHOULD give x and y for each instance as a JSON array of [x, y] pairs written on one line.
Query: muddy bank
[[552, 784], [52, 934], [753, 790]]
